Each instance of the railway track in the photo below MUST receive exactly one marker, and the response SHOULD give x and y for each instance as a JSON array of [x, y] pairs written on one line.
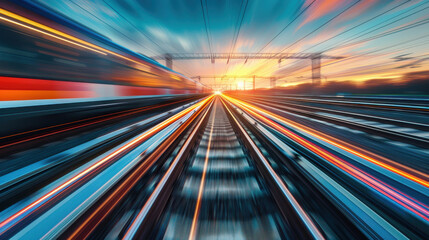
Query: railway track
[[414, 105], [100, 172], [414, 133], [228, 187], [23, 174], [221, 186]]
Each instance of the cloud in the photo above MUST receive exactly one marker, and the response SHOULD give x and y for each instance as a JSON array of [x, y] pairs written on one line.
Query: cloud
[[320, 9], [358, 10], [409, 83]]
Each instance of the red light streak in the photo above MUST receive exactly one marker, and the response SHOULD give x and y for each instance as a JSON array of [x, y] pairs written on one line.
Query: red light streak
[[340, 144], [102, 210], [85, 173], [418, 177], [152, 198], [121, 114], [411, 204]]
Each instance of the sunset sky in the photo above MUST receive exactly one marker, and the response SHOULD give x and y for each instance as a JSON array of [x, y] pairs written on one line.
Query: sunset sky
[[380, 39]]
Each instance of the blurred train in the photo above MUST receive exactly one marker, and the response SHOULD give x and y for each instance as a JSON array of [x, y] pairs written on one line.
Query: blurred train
[[45, 55]]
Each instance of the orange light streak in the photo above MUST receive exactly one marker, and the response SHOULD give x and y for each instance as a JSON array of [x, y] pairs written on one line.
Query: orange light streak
[[135, 224], [340, 145], [112, 200], [35, 26], [302, 214], [120, 114], [420, 178], [407, 202], [193, 231], [45, 198], [51, 35]]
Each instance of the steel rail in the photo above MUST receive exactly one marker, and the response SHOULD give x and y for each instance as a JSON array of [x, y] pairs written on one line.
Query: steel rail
[[415, 125], [269, 173], [369, 222], [92, 220], [11, 224], [393, 135], [157, 199]]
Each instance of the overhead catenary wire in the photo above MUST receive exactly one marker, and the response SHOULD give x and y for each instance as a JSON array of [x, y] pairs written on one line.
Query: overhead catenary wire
[[358, 25], [379, 27], [302, 69], [315, 30], [107, 24], [290, 23], [237, 31], [320, 27], [206, 27], [364, 32], [284, 28], [181, 68], [133, 25]]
